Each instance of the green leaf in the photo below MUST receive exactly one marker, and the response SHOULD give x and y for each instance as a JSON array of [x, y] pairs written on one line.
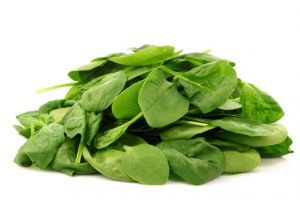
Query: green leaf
[[23, 131], [55, 104], [82, 73], [210, 85], [237, 162], [258, 105], [74, 121], [126, 105], [147, 56], [106, 138], [59, 113], [227, 145], [107, 162], [64, 160], [183, 132], [34, 120], [93, 125], [41, 148], [230, 104], [160, 101], [146, 164], [276, 150], [250, 132], [101, 95], [195, 161]]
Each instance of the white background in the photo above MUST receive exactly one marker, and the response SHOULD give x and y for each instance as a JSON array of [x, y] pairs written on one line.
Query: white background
[[40, 41]]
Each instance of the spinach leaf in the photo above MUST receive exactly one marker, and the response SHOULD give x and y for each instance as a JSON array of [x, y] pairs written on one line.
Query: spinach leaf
[[230, 104], [83, 73], [276, 150], [258, 105], [183, 132], [41, 148], [108, 162], [208, 86], [250, 132], [34, 120], [23, 131], [195, 161], [74, 121], [59, 113], [160, 101], [227, 145], [74, 93], [101, 95], [126, 105], [93, 125], [146, 164], [134, 72], [64, 160], [54, 104], [147, 56], [106, 138], [237, 162]]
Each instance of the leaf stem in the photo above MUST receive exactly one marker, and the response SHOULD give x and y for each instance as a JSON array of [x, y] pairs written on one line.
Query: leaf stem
[[80, 150], [56, 87], [196, 119], [186, 122], [179, 75]]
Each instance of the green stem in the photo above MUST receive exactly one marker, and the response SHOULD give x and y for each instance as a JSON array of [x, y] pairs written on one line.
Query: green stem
[[185, 122], [196, 119], [179, 75], [56, 87], [80, 150]]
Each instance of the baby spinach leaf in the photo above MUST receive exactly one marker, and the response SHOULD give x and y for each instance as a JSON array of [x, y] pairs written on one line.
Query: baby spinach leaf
[[195, 160], [227, 145], [64, 160], [126, 105], [74, 93], [108, 162], [183, 132], [54, 104], [243, 126], [106, 138], [147, 56], [237, 162], [101, 95], [74, 121], [230, 104], [250, 132], [133, 72], [146, 164], [208, 86], [160, 101], [278, 134], [276, 150], [258, 105], [203, 58], [41, 148], [93, 125], [23, 131], [34, 120], [59, 113], [82, 73]]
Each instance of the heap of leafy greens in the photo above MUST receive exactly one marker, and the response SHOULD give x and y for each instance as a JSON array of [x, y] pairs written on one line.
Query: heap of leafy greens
[[151, 115]]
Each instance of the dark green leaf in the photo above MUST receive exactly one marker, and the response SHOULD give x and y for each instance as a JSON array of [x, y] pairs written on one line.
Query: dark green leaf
[[160, 101], [258, 105], [195, 161], [41, 148], [101, 95]]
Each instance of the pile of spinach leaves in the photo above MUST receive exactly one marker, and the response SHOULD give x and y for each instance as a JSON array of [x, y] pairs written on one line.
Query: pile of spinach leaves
[[151, 115]]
